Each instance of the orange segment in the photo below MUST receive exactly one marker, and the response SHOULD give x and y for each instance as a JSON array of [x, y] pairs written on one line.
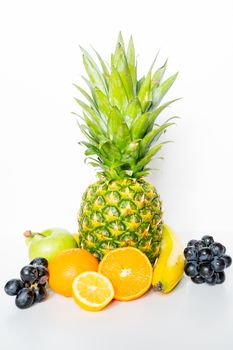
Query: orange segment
[[68, 264], [92, 291], [129, 270]]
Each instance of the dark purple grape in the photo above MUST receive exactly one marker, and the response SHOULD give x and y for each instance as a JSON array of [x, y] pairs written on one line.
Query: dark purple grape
[[40, 294], [206, 270], [207, 240], [43, 274], [227, 259], [213, 279], [192, 242], [205, 254], [24, 298], [191, 269], [217, 248], [29, 273], [218, 264], [13, 286], [220, 277], [198, 279], [199, 245], [190, 253], [39, 261]]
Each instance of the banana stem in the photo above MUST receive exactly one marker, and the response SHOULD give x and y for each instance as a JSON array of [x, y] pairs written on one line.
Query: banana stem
[[158, 287]]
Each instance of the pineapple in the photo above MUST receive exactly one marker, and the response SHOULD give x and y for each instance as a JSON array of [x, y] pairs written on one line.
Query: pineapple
[[122, 135]]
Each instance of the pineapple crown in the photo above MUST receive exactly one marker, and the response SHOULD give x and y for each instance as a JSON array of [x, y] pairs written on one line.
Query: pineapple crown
[[120, 113]]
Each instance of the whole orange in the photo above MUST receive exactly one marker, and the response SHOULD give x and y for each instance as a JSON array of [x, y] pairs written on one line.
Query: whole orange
[[67, 265]]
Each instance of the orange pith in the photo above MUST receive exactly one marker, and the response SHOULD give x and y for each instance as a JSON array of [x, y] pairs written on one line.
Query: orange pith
[[129, 270], [68, 264]]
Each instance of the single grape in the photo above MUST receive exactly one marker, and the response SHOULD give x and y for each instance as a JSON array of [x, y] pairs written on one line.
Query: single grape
[[40, 293], [199, 245], [206, 270], [220, 277], [227, 259], [190, 253], [39, 261], [213, 279], [218, 264], [43, 274], [13, 286], [24, 298], [191, 269], [217, 248], [207, 240], [192, 242], [205, 254], [198, 279], [29, 273]]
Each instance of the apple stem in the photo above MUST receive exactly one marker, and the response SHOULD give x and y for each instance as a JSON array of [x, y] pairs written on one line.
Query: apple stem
[[29, 233]]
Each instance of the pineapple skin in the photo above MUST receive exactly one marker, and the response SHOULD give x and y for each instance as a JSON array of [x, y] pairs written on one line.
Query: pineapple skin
[[119, 213]]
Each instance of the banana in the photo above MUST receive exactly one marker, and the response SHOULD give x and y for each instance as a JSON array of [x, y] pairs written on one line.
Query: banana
[[169, 267]]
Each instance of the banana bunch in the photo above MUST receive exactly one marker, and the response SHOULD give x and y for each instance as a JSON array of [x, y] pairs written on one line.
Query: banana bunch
[[169, 267]]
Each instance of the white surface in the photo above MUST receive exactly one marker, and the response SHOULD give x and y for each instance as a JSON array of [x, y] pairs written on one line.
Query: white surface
[[42, 173]]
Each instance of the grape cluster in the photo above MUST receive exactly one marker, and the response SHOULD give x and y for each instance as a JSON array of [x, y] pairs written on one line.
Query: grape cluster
[[206, 261], [31, 288]]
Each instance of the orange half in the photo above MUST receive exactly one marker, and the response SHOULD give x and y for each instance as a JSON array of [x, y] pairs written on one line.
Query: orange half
[[129, 270]]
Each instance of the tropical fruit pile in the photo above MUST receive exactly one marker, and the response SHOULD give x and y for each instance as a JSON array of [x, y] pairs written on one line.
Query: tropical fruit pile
[[123, 274], [123, 246]]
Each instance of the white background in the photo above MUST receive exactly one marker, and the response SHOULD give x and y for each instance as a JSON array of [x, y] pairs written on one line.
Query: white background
[[42, 170]]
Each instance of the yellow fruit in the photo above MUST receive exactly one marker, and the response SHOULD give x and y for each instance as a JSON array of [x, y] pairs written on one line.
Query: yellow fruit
[[169, 268], [68, 264], [92, 291], [129, 270]]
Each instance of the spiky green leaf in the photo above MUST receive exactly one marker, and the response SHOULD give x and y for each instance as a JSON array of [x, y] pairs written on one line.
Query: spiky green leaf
[[140, 165], [150, 138], [118, 130], [120, 41], [104, 68], [117, 93], [157, 112], [144, 94], [120, 63], [132, 63], [91, 87], [92, 114], [93, 71], [139, 84], [133, 111], [140, 126], [87, 132], [88, 97], [110, 151], [158, 75], [162, 89], [103, 103], [131, 152], [93, 128]]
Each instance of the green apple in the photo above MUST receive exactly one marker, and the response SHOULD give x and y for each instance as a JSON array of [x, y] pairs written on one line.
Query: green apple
[[49, 243]]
